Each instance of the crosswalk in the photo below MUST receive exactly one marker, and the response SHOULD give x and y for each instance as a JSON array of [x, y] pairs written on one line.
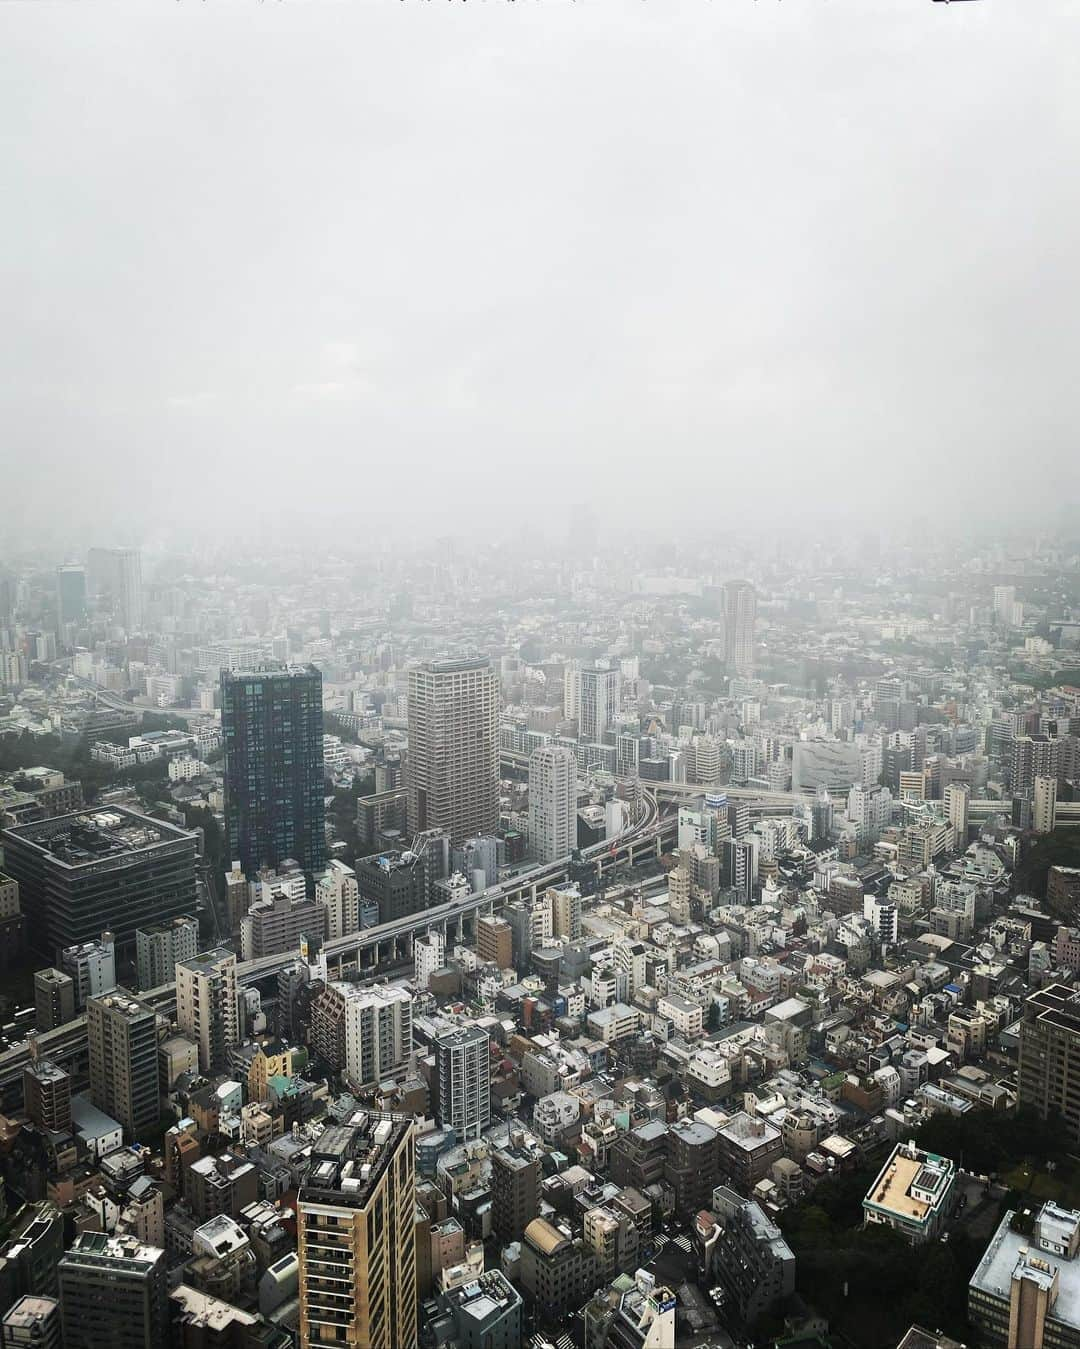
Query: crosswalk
[[684, 1243], [660, 1240], [565, 1342]]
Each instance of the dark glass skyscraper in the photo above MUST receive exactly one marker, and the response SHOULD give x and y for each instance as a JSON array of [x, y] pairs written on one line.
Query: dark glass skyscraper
[[272, 720]]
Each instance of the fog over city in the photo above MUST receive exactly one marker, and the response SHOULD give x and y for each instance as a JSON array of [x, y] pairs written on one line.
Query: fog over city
[[451, 268]]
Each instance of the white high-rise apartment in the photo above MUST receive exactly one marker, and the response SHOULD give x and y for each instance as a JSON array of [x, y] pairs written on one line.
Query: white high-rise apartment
[[378, 1033], [206, 1008], [338, 891], [884, 917], [429, 953], [1044, 806], [160, 946], [598, 702], [740, 611], [957, 799], [454, 748], [571, 689], [463, 1056], [552, 802]]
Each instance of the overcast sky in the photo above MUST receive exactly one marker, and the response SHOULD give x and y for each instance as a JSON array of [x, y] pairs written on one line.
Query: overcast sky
[[434, 264]]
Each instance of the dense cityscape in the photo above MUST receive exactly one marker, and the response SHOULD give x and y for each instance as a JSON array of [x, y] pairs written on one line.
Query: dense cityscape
[[475, 948]]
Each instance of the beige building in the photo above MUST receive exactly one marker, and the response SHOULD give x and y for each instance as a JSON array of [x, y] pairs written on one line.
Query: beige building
[[453, 766], [206, 1007], [356, 1238]]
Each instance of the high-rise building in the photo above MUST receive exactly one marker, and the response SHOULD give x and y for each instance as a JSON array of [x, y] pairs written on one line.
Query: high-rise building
[[463, 1060], [1025, 1291], [566, 909], [70, 595], [748, 1253], [378, 1033], [1044, 806], [552, 802], [121, 1035], [1050, 1053], [31, 1323], [82, 874], [159, 946], [337, 890], [114, 578], [277, 922], [453, 767], [54, 999], [113, 1291], [92, 966], [206, 1006], [957, 803], [356, 1236], [516, 1176], [495, 941], [740, 611], [486, 1312], [47, 1094], [598, 702], [272, 721]]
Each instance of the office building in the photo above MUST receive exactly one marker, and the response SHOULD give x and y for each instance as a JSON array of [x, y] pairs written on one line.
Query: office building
[[113, 1291], [747, 1253], [277, 922], [914, 1193], [92, 967], [1063, 892], [31, 1323], [1050, 1053], [516, 1176], [747, 1148], [160, 946], [54, 999], [46, 1093], [691, 1164], [552, 803], [597, 703], [637, 1314], [557, 1270], [395, 883], [114, 578], [206, 1005], [463, 1062], [70, 595], [1044, 806], [495, 941], [453, 766], [109, 870], [356, 1236], [121, 1036], [486, 1312], [272, 722], [1025, 1292], [29, 1257], [740, 612]]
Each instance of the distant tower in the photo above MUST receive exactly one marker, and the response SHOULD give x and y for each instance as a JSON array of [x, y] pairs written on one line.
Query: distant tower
[[740, 611], [552, 802], [821, 815], [453, 767], [598, 702], [70, 595], [272, 720]]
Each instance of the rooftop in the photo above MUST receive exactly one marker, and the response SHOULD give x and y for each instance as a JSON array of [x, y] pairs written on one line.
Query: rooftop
[[347, 1160], [84, 838], [1010, 1253]]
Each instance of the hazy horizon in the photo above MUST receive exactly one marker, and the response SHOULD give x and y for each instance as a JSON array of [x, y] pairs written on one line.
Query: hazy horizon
[[456, 267]]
